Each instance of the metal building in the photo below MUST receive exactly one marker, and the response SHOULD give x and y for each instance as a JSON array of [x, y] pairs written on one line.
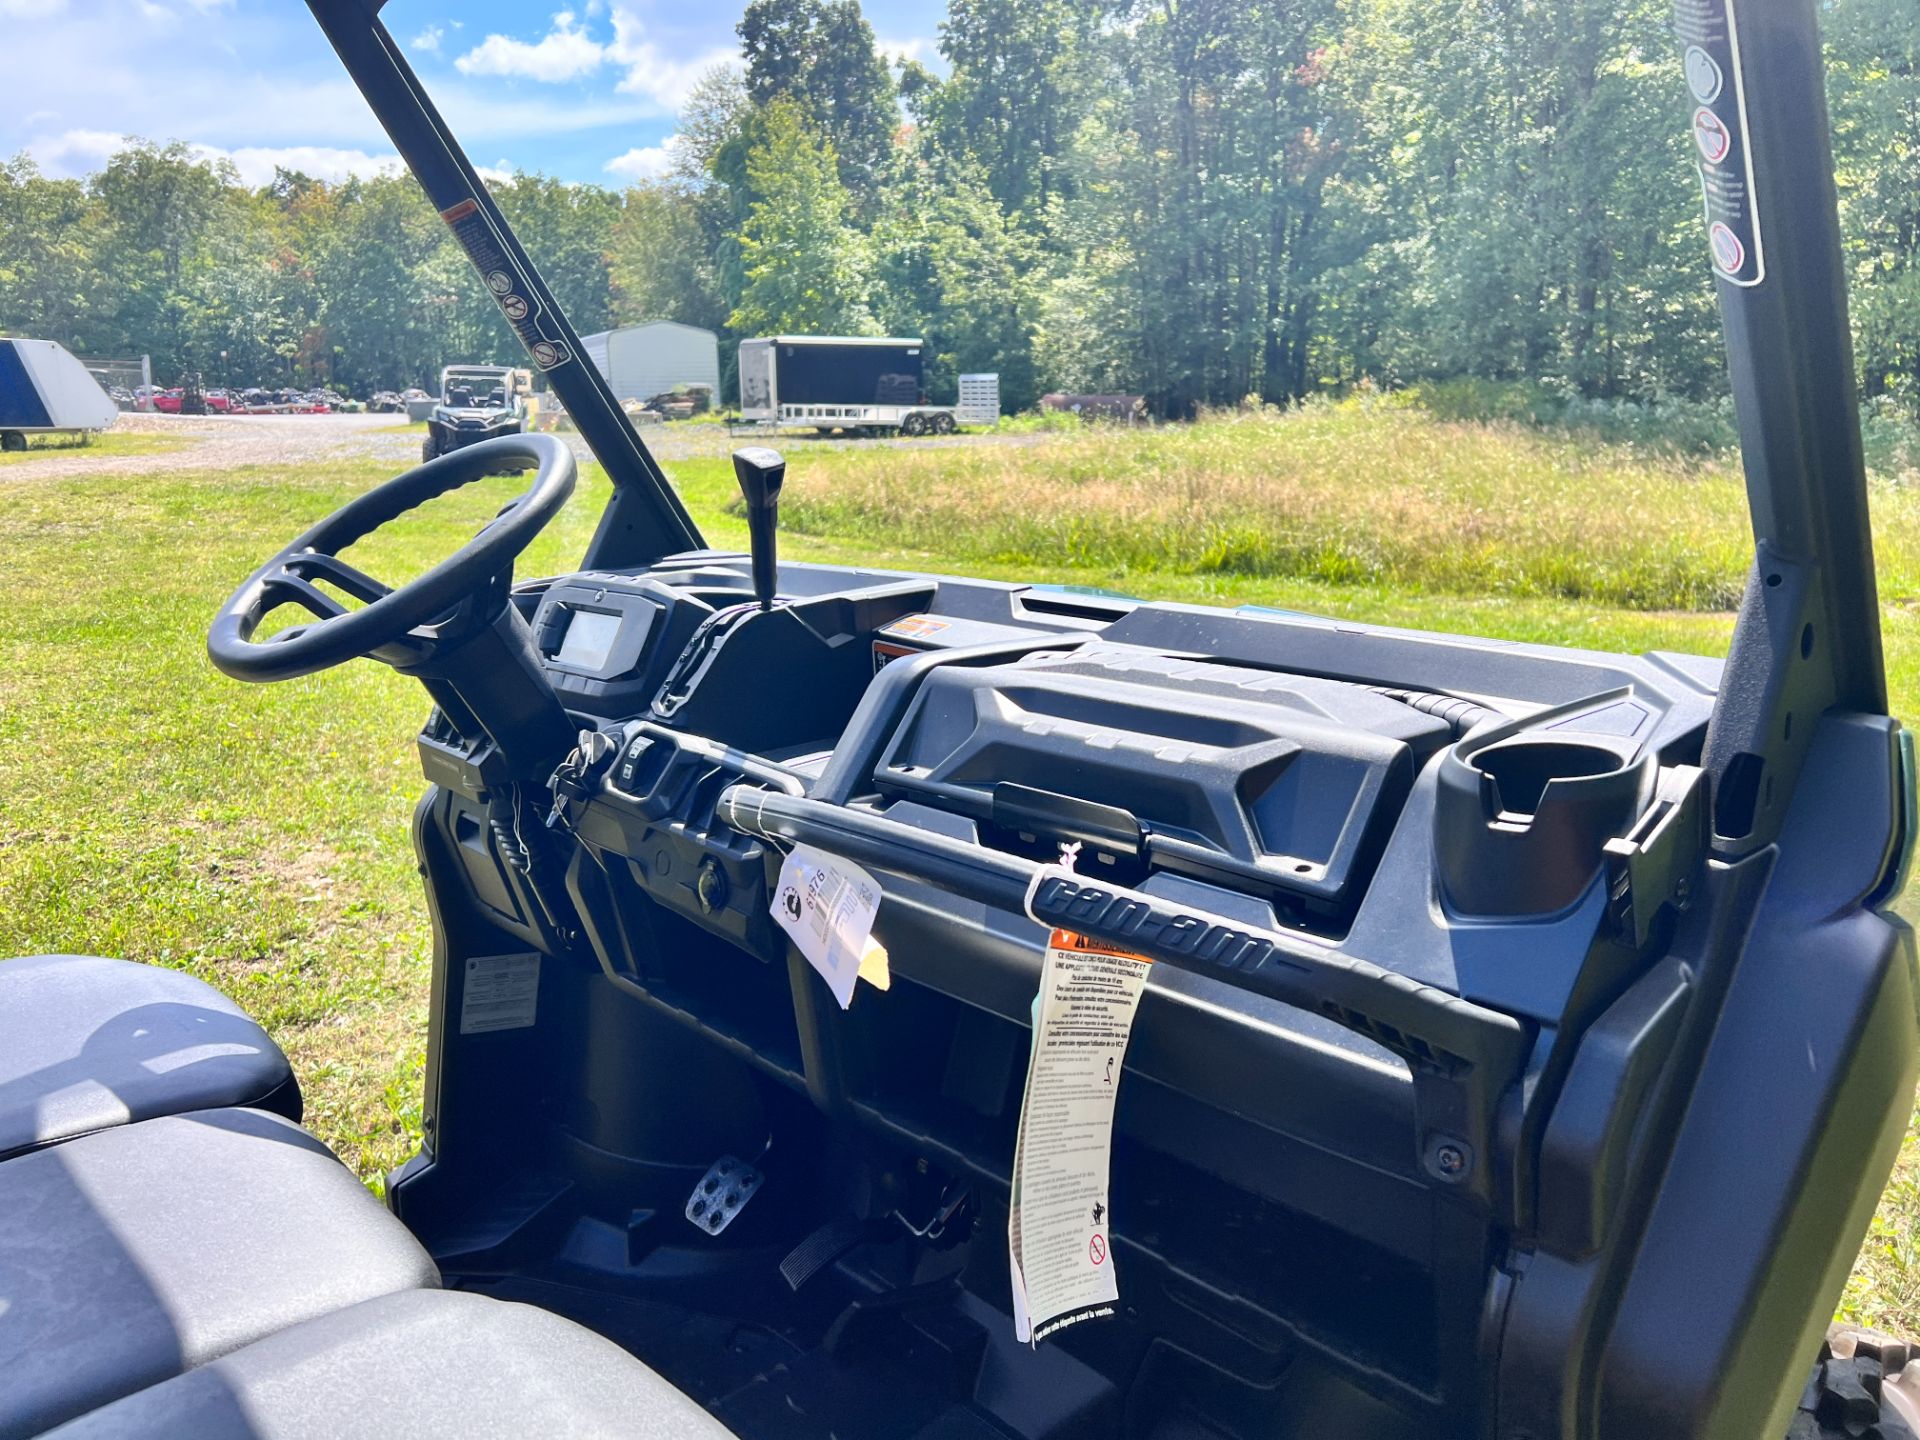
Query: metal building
[[641, 361]]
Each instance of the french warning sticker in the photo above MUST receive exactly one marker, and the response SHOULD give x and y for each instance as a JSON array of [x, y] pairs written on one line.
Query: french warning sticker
[[499, 992], [1710, 32], [507, 284], [1059, 1238]]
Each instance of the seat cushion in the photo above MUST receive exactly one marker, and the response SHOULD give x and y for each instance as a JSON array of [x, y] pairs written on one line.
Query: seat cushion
[[87, 1043], [427, 1363], [133, 1254]]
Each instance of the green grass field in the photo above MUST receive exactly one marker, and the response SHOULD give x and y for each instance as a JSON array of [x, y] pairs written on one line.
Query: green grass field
[[257, 836], [108, 442]]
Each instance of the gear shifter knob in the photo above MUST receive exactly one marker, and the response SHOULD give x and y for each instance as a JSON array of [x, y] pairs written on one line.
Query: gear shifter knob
[[761, 472]]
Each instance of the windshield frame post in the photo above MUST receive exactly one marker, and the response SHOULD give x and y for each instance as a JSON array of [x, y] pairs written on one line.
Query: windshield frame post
[[644, 519], [1807, 638]]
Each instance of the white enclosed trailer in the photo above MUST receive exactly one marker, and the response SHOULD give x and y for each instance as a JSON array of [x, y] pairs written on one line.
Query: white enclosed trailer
[[46, 391], [641, 361], [844, 382]]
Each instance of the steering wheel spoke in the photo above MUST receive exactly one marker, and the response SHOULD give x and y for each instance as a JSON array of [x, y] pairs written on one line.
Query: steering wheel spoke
[[318, 565], [284, 587]]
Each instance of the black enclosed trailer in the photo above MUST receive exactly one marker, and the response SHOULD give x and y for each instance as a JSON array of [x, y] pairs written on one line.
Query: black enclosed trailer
[[842, 382]]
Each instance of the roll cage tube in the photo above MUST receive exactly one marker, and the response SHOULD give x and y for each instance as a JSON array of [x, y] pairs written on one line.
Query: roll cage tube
[[645, 519], [1808, 635]]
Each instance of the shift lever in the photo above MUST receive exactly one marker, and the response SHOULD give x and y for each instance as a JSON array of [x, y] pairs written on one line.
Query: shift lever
[[761, 472]]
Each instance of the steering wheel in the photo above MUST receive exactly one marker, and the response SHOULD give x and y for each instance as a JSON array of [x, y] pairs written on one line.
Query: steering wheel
[[401, 626]]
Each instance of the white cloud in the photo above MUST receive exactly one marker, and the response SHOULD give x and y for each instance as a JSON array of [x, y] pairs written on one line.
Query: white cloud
[[566, 52], [161, 12], [918, 47], [660, 81], [643, 162], [428, 40], [651, 74], [281, 91], [81, 152], [31, 9], [256, 163], [75, 152]]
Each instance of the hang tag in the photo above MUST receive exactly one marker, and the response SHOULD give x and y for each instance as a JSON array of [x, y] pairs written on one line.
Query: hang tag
[[827, 905], [1058, 1235], [873, 966]]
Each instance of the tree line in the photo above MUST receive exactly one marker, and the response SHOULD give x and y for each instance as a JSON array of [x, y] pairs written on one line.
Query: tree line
[[1193, 200]]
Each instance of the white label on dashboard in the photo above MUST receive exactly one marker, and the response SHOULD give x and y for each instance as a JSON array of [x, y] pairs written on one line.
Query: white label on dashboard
[[827, 905], [501, 992], [1058, 1228]]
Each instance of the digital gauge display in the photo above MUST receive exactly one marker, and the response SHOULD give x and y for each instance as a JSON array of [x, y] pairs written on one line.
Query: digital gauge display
[[589, 640]]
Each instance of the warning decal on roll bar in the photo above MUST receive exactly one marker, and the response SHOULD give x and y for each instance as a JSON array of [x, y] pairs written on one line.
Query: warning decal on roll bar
[[507, 284], [1710, 32], [1059, 1235]]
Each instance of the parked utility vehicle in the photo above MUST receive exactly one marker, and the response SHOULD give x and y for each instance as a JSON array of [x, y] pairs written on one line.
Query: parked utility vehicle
[[477, 402], [1523, 1033]]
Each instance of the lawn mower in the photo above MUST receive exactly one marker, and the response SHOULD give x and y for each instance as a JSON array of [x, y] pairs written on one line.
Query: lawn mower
[[910, 1007]]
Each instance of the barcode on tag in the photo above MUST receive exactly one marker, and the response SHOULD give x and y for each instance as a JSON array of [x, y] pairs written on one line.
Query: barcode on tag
[[500, 993]]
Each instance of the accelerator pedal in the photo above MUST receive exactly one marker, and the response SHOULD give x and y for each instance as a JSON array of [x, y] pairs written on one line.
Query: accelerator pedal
[[723, 1192], [821, 1249]]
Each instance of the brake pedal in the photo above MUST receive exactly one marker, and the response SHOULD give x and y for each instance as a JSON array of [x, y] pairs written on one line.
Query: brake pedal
[[723, 1193]]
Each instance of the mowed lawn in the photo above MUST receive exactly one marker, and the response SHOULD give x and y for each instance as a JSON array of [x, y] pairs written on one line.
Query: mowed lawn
[[258, 835]]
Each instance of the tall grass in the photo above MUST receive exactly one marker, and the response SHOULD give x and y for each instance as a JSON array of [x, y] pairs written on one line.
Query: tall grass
[[1368, 490]]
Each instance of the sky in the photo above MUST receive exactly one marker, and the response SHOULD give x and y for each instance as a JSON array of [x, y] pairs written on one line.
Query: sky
[[586, 93]]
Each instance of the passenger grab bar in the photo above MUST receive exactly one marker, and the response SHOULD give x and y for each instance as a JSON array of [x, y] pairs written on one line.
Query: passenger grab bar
[[1462, 1057]]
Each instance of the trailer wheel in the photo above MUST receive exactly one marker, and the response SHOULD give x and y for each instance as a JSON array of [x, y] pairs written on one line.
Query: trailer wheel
[[943, 423], [914, 424], [12, 440]]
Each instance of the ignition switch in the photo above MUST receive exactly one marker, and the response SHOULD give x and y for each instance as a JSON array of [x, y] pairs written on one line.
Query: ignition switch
[[711, 887]]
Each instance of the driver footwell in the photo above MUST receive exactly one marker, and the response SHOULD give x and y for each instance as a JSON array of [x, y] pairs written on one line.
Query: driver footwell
[[888, 1344]]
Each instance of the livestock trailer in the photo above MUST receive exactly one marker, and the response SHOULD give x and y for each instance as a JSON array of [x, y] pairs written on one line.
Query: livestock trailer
[[44, 390]]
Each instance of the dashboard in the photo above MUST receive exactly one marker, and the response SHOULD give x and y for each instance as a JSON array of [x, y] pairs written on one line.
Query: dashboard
[[1385, 868]]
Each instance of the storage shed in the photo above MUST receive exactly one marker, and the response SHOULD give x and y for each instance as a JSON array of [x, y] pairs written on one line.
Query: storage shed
[[641, 361]]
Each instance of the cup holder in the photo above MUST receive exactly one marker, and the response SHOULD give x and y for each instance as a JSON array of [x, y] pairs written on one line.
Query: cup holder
[[1522, 817], [1521, 770]]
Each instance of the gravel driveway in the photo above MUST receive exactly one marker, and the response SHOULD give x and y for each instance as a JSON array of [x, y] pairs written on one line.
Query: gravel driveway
[[233, 442]]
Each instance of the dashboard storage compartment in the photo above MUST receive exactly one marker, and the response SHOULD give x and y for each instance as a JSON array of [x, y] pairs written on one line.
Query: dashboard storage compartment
[[1285, 784]]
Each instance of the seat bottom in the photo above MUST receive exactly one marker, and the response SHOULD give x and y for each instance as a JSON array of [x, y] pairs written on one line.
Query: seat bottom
[[422, 1363], [134, 1254]]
